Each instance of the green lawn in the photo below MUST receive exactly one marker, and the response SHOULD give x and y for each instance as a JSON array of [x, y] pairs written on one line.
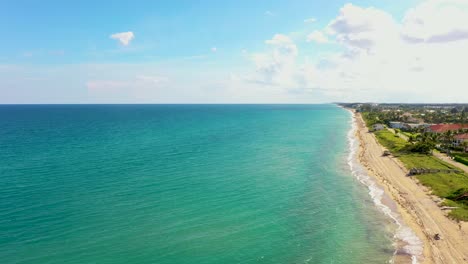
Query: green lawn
[[442, 184], [389, 140], [408, 134], [414, 160]]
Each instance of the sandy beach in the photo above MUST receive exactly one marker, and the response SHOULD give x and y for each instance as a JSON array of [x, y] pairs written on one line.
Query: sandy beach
[[417, 207]]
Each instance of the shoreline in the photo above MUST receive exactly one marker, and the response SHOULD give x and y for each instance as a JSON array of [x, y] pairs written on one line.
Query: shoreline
[[407, 246], [416, 210]]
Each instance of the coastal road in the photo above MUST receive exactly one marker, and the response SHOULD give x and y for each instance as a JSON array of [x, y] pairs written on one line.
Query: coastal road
[[450, 161]]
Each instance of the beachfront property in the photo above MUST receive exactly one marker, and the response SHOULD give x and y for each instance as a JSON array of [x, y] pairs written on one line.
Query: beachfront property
[[459, 140], [396, 125], [406, 126], [442, 128], [377, 127], [418, 125]]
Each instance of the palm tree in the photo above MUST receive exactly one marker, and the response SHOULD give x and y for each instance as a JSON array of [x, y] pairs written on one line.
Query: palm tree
[[448, 138]]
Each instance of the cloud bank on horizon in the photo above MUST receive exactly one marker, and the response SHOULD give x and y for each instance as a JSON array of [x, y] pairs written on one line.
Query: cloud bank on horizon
[[362, 53]]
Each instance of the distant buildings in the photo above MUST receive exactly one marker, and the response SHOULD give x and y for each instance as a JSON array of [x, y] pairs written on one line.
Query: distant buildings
[[396, 125], [442, 128], [407, 126], [418, 125]]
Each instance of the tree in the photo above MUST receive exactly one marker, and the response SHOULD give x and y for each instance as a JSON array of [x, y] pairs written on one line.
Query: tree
[[464, 144], [420, 147]]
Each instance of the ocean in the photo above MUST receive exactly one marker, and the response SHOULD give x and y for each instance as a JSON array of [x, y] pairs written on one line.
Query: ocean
[[185, 184]]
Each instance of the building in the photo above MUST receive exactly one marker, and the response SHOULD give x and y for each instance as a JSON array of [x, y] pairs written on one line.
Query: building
[[377, 127], [397, 125], [442, 128], [417, 125], [407, 126], [459, 139]]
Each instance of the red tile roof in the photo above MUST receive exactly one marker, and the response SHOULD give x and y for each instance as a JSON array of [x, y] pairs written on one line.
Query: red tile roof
[[462, 136], [446, 127]]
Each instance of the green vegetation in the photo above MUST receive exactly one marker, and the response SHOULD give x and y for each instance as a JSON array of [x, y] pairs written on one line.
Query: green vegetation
[[420, 147], [408, 134], [446, 185], [414, 160], [414, 143], [397, 145], [460, 213], [461, 157], [391, 141], [371, 118]]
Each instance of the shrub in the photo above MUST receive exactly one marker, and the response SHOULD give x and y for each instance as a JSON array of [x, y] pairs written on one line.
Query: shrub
[[461, 160], [420, 147]]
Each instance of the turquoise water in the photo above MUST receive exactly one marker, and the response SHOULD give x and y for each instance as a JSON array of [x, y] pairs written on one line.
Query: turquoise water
[[183, 184]]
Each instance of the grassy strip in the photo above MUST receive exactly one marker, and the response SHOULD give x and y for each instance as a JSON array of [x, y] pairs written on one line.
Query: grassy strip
[[414, 160], [442, 184], [391, 141]]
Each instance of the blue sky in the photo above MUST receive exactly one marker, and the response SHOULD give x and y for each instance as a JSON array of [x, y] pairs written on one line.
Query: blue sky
[[164, 29], [210, 51]]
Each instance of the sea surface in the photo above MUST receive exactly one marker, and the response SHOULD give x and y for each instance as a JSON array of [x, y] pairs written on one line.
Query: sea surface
[[184, 184]]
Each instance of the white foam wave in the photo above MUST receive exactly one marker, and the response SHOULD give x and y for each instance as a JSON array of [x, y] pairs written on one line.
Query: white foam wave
[[413, 245]]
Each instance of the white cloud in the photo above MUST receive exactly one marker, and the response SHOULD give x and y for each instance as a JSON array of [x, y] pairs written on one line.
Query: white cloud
[[123, 37], [317, 36], [283, 45], [310, 20], [214, 49], [275, 67], [383, 59], [363, 28], [389, 60], [437, 21], [269, 13]]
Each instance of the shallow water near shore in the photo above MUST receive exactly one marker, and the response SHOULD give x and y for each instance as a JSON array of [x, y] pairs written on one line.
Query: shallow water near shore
[[408, 247], [184, 184]]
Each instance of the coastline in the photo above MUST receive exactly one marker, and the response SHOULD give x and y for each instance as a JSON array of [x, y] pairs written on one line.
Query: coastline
[[416, 213]]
